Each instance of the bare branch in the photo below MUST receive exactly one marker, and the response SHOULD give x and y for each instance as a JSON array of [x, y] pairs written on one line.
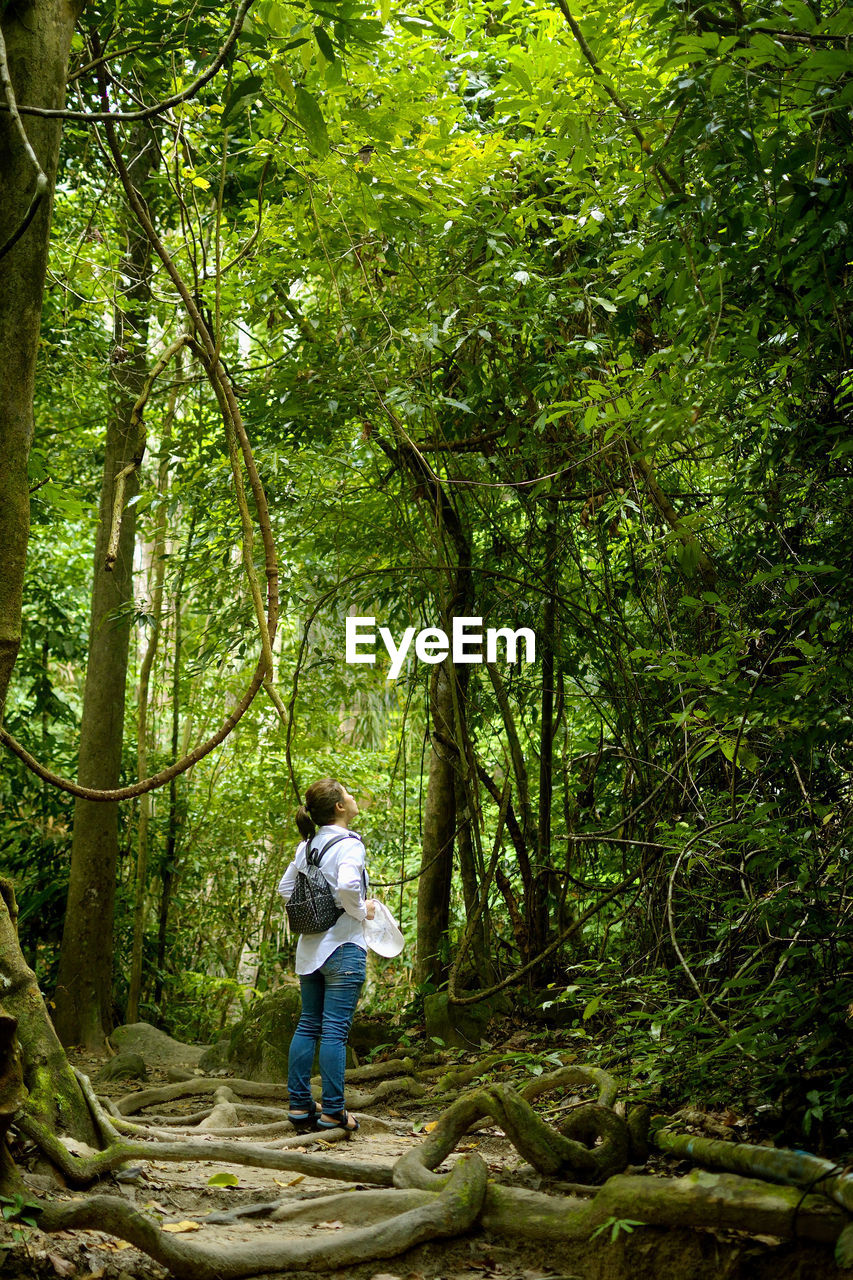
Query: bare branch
[[147, 113]]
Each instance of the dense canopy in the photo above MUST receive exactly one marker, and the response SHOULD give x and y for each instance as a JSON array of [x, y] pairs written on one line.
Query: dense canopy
[[496, 309]]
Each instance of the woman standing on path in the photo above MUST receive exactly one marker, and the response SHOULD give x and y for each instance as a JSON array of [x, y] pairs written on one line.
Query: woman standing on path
[[330, 965]]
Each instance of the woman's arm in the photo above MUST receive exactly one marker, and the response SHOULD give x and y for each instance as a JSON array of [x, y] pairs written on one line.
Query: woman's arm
[[349, 890], [287, 881], [350, 886]]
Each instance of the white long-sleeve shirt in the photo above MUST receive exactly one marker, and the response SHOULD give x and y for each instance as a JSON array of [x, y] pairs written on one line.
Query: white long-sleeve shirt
[[344, 869]]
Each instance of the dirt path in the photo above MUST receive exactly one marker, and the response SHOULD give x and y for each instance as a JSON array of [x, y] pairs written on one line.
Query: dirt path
[[180, 1198]]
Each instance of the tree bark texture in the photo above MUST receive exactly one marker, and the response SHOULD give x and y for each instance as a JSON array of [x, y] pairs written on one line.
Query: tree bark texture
[[37, 39], [54, 1094], [439, 827], [11, 1097], [84, 981], [536, 900], [158, 570], [169, 864]]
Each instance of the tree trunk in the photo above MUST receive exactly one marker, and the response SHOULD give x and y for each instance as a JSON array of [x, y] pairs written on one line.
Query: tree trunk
[[479, 958], [35, 39], [439, 827], [12, 1097], [84, 982], [536, 904], [169, 865], [54, 1094], [158, 570]]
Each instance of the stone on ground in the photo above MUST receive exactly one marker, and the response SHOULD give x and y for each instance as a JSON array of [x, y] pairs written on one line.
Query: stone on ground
[[155, 1047], [124, 1066]]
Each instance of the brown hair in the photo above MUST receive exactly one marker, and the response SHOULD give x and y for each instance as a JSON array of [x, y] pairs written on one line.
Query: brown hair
[[319, 807]]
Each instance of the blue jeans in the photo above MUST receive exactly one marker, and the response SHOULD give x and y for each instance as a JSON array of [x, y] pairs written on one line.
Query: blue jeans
[[329, 997]]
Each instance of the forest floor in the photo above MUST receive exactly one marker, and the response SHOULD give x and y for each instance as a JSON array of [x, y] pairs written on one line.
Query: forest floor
[[181, 1199]]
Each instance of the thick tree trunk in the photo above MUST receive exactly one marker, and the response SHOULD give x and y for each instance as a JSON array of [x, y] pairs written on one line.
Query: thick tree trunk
[[12, 1096], [54, 1094], [37, 38], [84, 981], [439, 827]]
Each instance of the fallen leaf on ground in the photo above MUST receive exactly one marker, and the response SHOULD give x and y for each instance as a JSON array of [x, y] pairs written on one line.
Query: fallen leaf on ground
[[329, 1226], [428, 1128], [61, 1265], [156, 1206], [300, 1177], [180, 1227]]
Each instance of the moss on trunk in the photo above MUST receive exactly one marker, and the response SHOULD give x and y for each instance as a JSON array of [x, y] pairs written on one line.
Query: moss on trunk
[[54, 1096]]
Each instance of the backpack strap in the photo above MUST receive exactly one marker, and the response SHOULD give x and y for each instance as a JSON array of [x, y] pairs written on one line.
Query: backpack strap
[[317, 858]]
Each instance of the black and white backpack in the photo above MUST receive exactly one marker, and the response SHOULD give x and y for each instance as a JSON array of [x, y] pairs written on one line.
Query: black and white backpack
[[311, 907]]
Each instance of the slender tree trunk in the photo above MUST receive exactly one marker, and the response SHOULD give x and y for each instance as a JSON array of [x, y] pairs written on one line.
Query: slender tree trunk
[[439, 827], [479, 958], [537, 902], [159, 570], [35, 39], [167, 872], [84, 981]]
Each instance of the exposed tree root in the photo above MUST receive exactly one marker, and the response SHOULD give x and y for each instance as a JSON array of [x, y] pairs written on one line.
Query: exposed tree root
[[259, 1113], [547, 1150], [82, 1171], [343, 1206], [794, 1168], [452, 1210], [381, 1070], [204, 1086], [279, 1135], [424, 1204], [700, 1200], [573, 1076]]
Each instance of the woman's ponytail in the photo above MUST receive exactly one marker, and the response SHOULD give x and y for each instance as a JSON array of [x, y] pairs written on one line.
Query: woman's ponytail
[[305, 823], [319, 807]]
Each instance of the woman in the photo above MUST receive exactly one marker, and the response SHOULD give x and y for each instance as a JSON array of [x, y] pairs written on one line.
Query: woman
[[330, 965]]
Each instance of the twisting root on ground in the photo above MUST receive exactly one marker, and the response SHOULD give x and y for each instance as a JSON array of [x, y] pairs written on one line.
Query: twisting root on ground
[[594, 1143]]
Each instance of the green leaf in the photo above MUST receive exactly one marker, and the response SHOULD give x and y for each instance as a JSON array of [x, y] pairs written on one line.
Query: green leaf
[[223, 1180], [420, 26], [844, 1247], [326, 47], [311, 118], [248, 88], [592, 1006], [746, 759]]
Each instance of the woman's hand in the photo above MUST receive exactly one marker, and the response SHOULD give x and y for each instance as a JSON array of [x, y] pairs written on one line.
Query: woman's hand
[[370, 906]]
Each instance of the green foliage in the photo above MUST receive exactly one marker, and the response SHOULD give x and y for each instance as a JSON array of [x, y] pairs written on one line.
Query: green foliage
[[20, 1208], [615, 1226], [490, 348]]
